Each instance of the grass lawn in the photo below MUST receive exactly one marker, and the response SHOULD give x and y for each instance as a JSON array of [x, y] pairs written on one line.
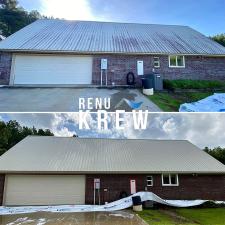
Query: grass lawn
[[204, 216], [170, 102]]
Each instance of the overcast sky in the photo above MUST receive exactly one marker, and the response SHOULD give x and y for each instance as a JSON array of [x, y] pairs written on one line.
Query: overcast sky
[[207, 16], [201, 129]]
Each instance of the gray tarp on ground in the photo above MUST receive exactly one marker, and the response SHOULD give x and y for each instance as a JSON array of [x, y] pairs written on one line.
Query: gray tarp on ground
[[113, 206]]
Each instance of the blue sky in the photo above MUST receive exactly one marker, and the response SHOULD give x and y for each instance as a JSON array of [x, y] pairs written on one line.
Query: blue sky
[[205, 129], [207, 16]]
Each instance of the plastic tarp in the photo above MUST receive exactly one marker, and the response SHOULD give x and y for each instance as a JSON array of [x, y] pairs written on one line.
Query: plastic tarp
[[113, 206], [213, 103]]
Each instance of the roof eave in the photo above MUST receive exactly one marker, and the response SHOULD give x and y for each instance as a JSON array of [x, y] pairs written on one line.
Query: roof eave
[[32, 51], [113, 172]]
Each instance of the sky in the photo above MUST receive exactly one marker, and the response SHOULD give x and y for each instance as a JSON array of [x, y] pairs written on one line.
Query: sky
[[205, 129], [207, 16]]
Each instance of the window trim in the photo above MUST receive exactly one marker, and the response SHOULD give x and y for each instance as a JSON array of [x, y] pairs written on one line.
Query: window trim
[[170, 66], [149, 180], [173, 185], [158, 60]]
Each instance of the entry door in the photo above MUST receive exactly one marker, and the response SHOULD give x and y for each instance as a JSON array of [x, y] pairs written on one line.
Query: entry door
[[140, 68], [132, 186]]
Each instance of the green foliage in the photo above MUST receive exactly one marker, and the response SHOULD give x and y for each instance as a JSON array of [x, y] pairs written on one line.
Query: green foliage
[[218, 153], [193, 84], [8, 4], [12, 132], [170, 102], [14, 18], [220, 38]]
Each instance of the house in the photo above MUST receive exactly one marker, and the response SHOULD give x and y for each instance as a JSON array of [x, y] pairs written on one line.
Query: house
[[59, 170], [60, 52]]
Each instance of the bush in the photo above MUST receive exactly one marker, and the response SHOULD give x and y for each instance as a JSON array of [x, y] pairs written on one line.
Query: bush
[[192, 84]]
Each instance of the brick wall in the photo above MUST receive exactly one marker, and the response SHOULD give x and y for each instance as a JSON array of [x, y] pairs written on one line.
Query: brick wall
[[2, 181], [5, 68], [197, 67], [190, 187]]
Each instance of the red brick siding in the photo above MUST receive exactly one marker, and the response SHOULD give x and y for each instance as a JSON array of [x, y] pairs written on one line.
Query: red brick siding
[[5, 68], [190, 187], [197, 67], [2, 182]]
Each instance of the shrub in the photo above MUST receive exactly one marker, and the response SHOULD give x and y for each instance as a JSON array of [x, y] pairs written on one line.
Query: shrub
[[192, 84]]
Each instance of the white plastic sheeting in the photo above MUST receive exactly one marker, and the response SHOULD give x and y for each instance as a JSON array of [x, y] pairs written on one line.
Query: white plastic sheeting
[[114, 206], [214, 103]]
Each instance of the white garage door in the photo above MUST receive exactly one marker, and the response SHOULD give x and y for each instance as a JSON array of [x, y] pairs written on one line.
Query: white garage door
[[44, 189], [51, 69]]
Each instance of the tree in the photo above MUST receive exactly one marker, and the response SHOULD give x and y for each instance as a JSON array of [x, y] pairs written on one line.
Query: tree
[[14, 18], [12, 132], [220, 38], [218, 153], [8, 4]]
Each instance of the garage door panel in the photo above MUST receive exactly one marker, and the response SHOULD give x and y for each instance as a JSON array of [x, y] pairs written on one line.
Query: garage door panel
[[44, 189], [32, 69]]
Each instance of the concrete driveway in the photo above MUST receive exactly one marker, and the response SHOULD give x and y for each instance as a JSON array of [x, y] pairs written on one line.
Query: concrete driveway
[[67, 99], [114, 218]]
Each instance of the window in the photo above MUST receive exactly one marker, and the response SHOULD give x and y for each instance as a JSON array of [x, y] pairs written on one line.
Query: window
[[176, 61], [149, 181], [156, 62], [170, 180]]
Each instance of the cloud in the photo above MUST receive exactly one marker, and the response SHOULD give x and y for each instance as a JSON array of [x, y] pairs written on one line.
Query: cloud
[[201, 129], [67, 9]]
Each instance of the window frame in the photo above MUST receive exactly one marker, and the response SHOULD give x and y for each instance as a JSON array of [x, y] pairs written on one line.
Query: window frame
[[147, 180], [158, 61], [169, 185], [171, 66]]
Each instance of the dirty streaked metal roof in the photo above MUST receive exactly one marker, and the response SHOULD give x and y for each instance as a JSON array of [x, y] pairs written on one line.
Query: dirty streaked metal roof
[[51, 35], [78, 155]]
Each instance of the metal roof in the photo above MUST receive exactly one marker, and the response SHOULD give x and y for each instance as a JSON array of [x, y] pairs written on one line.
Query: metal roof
[[51, 35], [78, 155]]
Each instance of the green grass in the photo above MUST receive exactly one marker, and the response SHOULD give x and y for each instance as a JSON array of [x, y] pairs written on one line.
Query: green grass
[[214, 216], [170, 102], [205, 216]]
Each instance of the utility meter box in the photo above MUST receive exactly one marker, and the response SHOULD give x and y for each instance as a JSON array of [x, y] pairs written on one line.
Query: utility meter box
[[104, 64], [97, 184]]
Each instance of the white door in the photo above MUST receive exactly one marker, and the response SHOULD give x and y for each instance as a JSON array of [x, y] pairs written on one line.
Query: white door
[[44, 189], [132, 186], [51, 69], [140, 68]]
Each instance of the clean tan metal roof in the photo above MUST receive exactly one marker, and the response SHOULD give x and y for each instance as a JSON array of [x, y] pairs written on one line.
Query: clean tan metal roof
[[50, 35], [81, 155]]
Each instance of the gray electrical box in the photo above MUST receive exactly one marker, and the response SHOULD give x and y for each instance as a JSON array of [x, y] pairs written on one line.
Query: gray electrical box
[[104, 64]]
